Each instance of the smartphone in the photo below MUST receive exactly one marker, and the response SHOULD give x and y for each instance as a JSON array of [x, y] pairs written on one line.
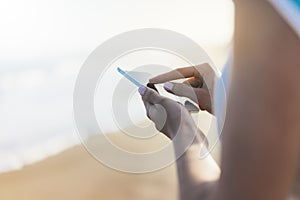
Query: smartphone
[[192, 107]]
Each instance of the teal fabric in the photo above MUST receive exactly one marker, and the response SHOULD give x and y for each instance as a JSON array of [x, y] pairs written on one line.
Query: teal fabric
[[296, 3]]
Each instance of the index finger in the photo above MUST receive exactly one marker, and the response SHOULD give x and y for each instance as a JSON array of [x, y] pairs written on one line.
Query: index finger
[[185, 72]]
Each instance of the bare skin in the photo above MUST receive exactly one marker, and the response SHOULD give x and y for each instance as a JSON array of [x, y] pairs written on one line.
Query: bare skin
[[199, 86], [192, 172], [261, 136]]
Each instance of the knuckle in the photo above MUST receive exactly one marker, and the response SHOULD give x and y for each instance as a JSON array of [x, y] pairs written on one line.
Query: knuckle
[[148, 95], [163, 101], [144, 98]]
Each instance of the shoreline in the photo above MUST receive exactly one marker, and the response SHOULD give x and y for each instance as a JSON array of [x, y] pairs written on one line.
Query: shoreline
[[75, 174]]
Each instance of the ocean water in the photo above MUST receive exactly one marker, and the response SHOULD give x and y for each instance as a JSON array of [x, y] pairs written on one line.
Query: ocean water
[[36, 113], [36, 106], [44, 44]]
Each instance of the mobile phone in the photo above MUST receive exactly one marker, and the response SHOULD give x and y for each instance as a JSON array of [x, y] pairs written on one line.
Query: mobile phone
[[186, 103], [129, 77]]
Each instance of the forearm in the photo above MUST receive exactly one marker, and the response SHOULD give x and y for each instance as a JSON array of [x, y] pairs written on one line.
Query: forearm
[[196, 177]]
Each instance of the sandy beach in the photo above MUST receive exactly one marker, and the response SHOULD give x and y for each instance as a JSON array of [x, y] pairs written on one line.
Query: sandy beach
[[75, 174]]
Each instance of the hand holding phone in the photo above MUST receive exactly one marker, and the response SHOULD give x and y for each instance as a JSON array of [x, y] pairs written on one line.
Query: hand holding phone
[[189, 105]]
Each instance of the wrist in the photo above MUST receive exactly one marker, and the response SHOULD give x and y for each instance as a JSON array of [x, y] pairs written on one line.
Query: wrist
[[189, 139]]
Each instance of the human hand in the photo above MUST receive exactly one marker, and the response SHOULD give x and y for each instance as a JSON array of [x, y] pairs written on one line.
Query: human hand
[[199, 87], [168, 116], [172, 118]]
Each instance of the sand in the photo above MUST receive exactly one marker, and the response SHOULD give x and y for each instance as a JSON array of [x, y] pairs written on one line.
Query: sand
[[74, 174]]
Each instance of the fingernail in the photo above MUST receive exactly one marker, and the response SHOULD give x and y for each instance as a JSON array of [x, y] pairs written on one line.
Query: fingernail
[[142, 90], [169, 86]]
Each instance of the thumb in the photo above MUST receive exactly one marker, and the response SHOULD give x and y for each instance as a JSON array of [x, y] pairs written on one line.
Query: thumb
[[149, 95]]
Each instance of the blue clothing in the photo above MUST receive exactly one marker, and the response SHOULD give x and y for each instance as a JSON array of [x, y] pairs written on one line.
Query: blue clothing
[[290, 11]]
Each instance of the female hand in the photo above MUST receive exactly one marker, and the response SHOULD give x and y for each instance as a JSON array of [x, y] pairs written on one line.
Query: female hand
[[173, 119], [199, 87], [169, 117]]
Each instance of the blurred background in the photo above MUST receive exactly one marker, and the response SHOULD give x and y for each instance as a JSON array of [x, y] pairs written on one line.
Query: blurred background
[[43, 44]]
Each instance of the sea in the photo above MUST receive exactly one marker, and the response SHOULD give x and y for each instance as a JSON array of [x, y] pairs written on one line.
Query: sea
[[45, 43]]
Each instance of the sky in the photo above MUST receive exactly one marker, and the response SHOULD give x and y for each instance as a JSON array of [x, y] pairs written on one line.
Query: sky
[[38, 29]]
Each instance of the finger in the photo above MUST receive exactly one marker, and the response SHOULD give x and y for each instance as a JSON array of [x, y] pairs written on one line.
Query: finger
[[157, 114], [179, 73], [181, 89], [194, 82], [185, 72], [199, 95], [150, 95], [204, 99], [147, 107]]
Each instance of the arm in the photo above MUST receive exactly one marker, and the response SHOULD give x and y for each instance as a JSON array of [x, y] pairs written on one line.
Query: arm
[[195, 176], [261, 134]]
